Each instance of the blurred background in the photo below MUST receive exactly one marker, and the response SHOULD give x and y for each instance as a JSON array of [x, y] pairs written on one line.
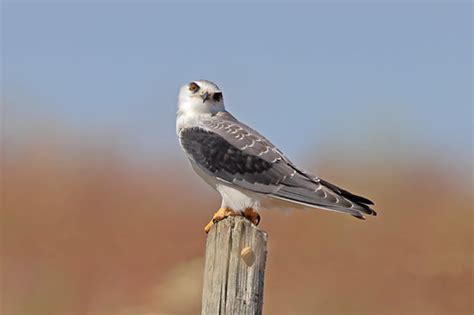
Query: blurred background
[[101, 214]]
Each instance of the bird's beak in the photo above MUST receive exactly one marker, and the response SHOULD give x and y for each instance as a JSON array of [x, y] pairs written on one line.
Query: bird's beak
[[205, 97]]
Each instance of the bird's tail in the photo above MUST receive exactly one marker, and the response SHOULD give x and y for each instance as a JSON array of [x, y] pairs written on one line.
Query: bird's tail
[[327, 197]]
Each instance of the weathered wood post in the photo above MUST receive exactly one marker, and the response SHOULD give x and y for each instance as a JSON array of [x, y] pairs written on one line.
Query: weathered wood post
[[236, 252]]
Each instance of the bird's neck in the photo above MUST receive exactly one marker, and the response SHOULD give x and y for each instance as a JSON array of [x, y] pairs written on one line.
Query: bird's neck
[[186, 120]]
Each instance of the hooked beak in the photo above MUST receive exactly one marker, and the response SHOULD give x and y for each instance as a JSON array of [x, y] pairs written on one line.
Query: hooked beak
[[205, 97]]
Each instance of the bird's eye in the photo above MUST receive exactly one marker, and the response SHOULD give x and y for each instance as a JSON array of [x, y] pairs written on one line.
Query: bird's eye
[[193, 87], [217, 97]]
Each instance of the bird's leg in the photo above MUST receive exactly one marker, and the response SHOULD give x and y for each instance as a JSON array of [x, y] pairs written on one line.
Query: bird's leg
[[220, 214], [252, 215]]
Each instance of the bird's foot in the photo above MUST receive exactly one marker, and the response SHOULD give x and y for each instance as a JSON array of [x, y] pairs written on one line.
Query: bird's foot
[[223, 213], [252, 216], [220, 214]]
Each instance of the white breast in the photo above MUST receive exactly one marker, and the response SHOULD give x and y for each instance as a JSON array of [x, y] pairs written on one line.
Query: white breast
[[232, 197]]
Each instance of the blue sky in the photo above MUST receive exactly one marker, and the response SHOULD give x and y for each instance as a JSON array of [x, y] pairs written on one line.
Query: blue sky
[[358, 75]]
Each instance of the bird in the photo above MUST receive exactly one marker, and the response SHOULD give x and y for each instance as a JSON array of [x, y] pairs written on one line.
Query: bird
[[248, 171]]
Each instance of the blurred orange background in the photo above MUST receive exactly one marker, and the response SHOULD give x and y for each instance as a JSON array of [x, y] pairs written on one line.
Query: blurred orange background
[[102, 215], [87, 231]]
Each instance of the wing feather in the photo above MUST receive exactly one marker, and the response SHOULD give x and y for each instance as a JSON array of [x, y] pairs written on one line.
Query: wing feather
[[234, 153]]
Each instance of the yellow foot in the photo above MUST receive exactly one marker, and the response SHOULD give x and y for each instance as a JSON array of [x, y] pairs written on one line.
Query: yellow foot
[[221, 214], [252, 215]]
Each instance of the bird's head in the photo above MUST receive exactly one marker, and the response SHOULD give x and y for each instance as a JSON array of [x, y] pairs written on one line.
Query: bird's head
[[200, 97]]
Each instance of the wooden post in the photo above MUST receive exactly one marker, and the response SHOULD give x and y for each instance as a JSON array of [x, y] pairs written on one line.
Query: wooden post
[[236, 252]]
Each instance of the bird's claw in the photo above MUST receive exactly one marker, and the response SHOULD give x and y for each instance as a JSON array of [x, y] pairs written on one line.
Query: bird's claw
[[223, 213], [220, 214], [252, 216]]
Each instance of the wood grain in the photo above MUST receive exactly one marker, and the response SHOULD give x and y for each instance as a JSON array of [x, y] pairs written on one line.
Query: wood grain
[[236, 252]]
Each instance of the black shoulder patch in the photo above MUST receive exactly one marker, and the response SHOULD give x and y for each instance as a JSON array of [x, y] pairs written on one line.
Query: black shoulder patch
[[216, 154]]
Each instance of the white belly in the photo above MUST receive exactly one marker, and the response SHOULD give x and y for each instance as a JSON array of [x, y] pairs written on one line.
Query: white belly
[[232, 197]]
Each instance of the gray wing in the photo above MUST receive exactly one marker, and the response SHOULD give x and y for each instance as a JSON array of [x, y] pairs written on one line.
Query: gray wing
[[234, 153]]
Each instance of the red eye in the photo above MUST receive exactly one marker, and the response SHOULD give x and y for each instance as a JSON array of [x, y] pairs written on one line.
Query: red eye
[[193, 87]]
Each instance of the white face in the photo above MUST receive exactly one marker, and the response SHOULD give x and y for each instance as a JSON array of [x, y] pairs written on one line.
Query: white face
[[200, 97]]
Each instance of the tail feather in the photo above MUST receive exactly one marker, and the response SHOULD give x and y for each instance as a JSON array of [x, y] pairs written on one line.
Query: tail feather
[[346, 194], [328, 197]]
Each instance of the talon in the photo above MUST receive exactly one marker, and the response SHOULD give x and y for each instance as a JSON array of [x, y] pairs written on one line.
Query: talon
[[220, 214], [208, 226], [252, 216]]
